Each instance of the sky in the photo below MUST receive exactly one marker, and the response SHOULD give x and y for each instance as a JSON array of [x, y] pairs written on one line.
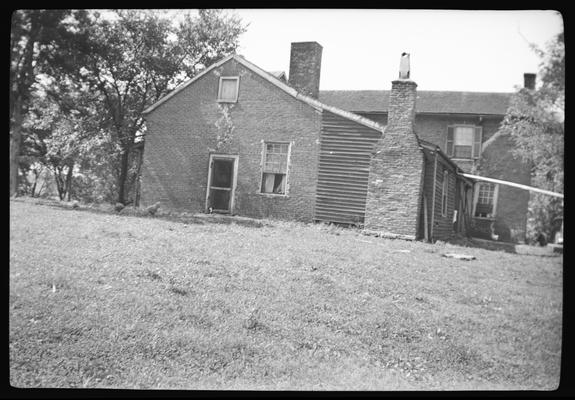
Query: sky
[[459, 50]]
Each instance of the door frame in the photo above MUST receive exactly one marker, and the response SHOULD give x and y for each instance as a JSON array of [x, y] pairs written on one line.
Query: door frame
[[213, 157]]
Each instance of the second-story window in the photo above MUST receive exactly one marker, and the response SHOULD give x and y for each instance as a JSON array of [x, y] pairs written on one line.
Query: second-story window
[[463, 141], [228, 89]]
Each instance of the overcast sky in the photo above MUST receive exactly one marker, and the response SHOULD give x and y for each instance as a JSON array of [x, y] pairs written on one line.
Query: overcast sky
[[450, 50]]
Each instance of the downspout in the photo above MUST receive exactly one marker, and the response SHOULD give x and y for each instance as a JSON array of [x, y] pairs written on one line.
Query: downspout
[[433, 199]]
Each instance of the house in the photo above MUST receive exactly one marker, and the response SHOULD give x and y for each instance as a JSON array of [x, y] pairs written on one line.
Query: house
[[464, 126], [237, 139]]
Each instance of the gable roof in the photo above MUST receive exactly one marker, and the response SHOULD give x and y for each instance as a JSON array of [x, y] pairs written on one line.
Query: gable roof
[[275, 81], [431, 102]]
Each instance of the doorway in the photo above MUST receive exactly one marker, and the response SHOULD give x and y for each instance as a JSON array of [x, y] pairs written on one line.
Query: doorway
[[222, 176]]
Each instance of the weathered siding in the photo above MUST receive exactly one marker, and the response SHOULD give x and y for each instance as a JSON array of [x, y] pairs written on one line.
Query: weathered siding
[[345, 155], [183, 131], [440, 227], [427, 198], [443, 224]]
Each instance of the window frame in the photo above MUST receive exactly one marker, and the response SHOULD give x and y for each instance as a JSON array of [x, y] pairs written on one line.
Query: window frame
[[222, 78], [215, 156], [262, 166], [474, 142], [476, 199]]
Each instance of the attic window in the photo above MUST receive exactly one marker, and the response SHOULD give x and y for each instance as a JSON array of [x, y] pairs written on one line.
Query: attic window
[[228, 89], [274, 171], [463, 141]]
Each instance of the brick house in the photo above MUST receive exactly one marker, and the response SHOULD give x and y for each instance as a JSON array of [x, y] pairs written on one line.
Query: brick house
[[237, 139]]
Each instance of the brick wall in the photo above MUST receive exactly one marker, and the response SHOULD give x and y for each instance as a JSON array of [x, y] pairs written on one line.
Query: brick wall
[[183, 132], [511, 215], [396, 170], [433, 128]]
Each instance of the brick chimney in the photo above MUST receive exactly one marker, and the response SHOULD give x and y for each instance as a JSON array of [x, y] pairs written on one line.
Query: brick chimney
[[396, 168], [529, 81], [305, 67]]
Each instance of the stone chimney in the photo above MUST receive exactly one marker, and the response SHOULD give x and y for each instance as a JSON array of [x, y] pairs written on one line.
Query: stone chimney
[[529, 81], [401, 108], [396, 170], [305, 67]]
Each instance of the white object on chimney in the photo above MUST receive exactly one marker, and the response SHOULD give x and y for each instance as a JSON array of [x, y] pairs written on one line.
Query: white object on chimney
[[404, 66]]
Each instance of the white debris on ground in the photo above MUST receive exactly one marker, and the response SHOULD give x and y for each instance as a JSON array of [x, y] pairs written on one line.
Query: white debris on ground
[[459, 256]]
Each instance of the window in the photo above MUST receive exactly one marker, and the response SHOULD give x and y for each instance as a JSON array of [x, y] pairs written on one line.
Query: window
[[274, 171], [228, 90], [485, 200], [463, 141], [444, 193]]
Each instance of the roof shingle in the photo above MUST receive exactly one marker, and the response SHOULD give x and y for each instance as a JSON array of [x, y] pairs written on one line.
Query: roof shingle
[[435, 102]]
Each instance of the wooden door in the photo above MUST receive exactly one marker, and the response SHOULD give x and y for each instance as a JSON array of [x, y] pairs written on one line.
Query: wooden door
[[221, 183]]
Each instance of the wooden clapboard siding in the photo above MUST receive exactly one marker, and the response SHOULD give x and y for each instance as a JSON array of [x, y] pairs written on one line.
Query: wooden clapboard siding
[[344, 160]]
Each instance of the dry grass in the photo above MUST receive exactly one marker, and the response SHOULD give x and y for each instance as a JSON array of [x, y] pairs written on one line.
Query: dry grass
[[103, 300]]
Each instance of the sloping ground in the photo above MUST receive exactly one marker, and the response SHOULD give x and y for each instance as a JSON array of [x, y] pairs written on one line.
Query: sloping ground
[[101, 300]]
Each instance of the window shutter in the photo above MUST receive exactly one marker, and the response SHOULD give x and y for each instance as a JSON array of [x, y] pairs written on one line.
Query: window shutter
[[449, 145], [477, 141]]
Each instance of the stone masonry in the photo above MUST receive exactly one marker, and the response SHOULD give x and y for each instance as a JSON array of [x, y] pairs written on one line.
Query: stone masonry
[[396, 170]]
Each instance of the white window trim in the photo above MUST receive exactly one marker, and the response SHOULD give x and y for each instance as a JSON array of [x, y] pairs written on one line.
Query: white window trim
[[262, 163], [455, 126], [476, 197], [237, 79]]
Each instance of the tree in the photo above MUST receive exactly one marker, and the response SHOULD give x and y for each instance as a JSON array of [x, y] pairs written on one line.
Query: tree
[[535, 120], [80, 81], [67, 133], [37, 40], [136, 58]]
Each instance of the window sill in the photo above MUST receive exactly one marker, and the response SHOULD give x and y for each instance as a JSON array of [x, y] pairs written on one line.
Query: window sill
[[226, 101], [274, 195], [463, 159]]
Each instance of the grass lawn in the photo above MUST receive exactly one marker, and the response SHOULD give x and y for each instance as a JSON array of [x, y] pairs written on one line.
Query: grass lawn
[[102, 300]]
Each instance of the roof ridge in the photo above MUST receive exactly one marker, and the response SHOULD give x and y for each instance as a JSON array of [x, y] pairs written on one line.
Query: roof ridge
[[272, 79], [418, 91], [185, 84], [311, 101]]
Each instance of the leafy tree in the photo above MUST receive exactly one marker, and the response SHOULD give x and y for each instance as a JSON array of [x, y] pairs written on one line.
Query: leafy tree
[[135, 59], [535, 120], [39, 40]]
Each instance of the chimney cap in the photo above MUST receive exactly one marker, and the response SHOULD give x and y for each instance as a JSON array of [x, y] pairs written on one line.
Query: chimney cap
[[404, 67]]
